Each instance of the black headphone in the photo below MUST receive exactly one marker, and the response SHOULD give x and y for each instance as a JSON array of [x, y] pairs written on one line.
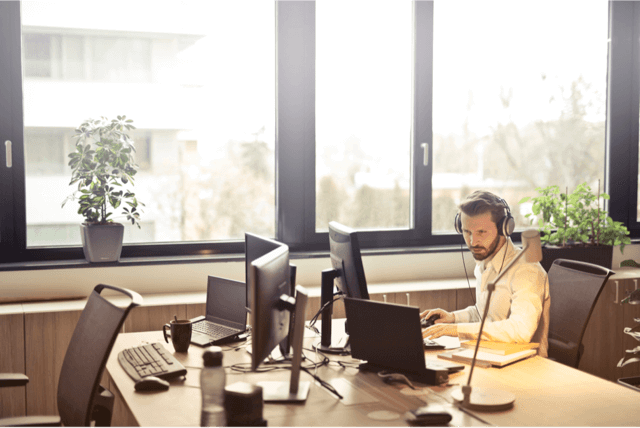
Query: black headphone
[[505, 226]]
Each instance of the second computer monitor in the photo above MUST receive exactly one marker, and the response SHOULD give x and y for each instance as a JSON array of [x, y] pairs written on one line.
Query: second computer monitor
[[268, 281], [255, 247], [347, 261]]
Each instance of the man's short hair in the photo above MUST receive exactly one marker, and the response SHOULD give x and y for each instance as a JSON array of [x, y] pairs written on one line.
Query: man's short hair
[[480, 202]]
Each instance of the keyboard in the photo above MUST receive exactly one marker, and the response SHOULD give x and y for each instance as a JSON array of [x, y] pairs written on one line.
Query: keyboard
[[216, 331], [150, 360]]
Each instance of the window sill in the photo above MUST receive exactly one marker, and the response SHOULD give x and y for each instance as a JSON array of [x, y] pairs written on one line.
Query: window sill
[[216, 258]]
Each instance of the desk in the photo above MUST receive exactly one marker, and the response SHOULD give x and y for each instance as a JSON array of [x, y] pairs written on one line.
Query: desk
[[547, 394]]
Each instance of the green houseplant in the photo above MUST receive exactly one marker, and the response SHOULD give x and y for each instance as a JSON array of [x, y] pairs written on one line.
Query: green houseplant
[[575, 225], [102, 166]]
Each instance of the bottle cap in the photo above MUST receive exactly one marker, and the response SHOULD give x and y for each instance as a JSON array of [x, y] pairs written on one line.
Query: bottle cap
[[212, 356]]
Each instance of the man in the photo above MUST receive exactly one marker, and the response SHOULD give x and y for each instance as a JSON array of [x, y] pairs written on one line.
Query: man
[[519, 308]]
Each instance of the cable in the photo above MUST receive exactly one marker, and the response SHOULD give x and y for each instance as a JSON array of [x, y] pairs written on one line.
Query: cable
[[273, 366], [311, 325], [468, 282], [504, 256]]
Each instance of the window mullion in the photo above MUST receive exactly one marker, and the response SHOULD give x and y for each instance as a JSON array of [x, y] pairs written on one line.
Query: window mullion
[[12, 208], [422, 118], [622, 112], [295, 121]]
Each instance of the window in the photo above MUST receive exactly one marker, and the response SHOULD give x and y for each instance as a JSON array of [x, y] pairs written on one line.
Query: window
[[277, 117], [204, 114], [519, 97], [363, 114]]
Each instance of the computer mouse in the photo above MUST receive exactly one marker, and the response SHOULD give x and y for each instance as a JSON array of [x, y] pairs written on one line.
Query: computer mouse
[[151, 383], [432, 345], [424, 323]]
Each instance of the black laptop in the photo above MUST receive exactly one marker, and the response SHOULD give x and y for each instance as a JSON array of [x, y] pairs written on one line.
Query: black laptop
[[226, 314], [388, 336]]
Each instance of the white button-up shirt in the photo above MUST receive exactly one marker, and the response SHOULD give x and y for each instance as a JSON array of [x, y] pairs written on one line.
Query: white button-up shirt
[[519, 308]]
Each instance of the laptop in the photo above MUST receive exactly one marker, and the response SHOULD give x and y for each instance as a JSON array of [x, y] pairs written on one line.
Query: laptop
[[226, 315], [389, 337]]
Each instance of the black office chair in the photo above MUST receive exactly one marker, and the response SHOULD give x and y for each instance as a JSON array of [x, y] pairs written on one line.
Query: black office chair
[[574, 288], [81, 398]]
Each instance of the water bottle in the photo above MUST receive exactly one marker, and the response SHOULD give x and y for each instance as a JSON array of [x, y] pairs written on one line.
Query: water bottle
[[212, 383]]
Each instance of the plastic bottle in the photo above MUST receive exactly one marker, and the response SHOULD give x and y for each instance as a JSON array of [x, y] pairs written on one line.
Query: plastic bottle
[[212, 383]]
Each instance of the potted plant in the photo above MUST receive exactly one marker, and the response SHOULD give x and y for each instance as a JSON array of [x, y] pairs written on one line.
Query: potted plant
[[102, 165], [575, 226]]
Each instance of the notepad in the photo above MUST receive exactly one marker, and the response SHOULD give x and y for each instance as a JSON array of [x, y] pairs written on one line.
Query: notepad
[[485, 358], [499, 348]]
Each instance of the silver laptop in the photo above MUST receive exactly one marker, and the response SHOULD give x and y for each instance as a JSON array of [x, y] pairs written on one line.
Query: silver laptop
[[226, 314]]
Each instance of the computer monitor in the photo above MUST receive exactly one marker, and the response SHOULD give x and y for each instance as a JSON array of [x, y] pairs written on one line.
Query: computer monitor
[[271, 305], [255, 247], [347, 274], [347, 261]]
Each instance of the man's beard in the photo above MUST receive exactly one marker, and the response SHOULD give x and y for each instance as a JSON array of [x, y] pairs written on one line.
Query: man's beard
[[489, 253]]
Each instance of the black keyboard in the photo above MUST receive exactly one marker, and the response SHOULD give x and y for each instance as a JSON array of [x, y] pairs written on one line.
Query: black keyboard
[[150, 360], [216, 331]]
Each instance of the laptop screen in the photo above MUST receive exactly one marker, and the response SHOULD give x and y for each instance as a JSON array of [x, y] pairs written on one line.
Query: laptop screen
[[225, 302], [385, 334]]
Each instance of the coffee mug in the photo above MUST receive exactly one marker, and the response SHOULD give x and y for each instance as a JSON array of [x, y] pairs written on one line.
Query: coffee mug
[[180, 334]]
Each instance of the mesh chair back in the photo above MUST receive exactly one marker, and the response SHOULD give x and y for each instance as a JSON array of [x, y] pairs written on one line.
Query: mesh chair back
[[87, 354], [574, 288]]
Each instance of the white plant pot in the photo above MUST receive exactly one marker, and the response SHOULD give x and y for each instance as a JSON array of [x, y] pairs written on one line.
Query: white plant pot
[[102, 242]]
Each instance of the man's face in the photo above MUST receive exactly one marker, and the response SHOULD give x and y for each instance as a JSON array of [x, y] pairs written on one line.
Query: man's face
[[481, 235]]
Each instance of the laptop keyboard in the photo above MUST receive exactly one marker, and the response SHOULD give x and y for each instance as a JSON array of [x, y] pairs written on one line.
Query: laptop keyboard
[[214, 330]]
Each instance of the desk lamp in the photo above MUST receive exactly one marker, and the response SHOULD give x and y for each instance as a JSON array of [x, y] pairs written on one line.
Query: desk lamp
[[485, 398]]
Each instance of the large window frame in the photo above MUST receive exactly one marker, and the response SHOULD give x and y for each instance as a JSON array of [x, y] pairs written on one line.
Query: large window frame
[[295, 140]]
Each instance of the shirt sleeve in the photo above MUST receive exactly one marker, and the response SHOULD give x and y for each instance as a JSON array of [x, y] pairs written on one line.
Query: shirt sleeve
[[528, 284], [466, 315]]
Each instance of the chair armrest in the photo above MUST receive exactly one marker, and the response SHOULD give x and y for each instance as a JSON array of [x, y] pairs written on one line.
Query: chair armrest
[[13, 379], [30, 421]]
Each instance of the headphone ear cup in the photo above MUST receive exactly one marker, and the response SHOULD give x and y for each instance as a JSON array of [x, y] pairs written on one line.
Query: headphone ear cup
[[457, 223], [508, 225]]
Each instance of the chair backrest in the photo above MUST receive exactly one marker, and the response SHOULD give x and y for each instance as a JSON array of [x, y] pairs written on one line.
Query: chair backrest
[[87, 354], [574, 288]]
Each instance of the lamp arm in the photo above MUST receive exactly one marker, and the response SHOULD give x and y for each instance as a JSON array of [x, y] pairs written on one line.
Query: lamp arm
[[491, 286], [493, 283]]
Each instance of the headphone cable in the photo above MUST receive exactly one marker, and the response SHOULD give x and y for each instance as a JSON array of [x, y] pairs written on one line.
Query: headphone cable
[[467, 276]]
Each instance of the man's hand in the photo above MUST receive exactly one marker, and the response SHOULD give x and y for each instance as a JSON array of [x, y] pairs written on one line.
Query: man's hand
[[438, 330], [445, 317]]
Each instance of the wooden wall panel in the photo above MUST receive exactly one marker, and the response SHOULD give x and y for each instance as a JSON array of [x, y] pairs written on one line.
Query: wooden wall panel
[[12, 400], [47, 338], [152, 318], [443, 299], [121, 416], [465, 297], [603, 336], [195, 310]]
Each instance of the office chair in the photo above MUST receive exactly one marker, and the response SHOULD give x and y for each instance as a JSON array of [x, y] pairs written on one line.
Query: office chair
[[81, 398], [574, 288]]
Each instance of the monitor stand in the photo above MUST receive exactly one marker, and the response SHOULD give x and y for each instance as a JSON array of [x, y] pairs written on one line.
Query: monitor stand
[[326, 297], [294, 390]]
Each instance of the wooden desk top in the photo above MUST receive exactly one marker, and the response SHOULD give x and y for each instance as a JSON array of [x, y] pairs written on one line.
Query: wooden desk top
[[547, 394]]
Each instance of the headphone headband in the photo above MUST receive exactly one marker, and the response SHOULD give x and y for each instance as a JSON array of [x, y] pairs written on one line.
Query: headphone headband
[[505, 225]]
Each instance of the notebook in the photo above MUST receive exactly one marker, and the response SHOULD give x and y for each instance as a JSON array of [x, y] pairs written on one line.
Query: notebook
[[226, 314], [389, 336], [499, 348], [486, 359]]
